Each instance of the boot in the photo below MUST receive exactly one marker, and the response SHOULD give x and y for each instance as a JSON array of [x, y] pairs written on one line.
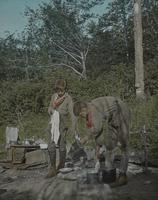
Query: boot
[[62, 161], [52, 155], [51, 172], [121, 180], [61, 165]]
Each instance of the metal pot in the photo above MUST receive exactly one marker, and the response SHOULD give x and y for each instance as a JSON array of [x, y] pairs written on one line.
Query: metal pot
[[107, 176]]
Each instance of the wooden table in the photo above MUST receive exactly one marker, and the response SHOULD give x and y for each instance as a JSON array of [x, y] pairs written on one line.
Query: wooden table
[[18, 152]]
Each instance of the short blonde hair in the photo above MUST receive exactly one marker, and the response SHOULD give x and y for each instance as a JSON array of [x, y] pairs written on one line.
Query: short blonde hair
[[78, 106], [60, 84]]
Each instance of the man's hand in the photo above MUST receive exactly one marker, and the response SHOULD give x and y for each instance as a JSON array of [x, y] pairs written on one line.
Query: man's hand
[[59, 101], [77, 137], [50, 111]]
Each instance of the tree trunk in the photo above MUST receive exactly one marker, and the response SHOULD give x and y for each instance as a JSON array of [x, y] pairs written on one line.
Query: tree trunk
[[139, 68]]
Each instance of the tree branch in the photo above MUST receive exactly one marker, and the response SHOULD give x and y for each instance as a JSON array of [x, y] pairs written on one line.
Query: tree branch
[[63, 64], [67, 52]]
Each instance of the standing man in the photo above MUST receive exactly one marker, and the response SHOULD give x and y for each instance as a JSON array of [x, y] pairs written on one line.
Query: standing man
[[60, 108], [108, 120]]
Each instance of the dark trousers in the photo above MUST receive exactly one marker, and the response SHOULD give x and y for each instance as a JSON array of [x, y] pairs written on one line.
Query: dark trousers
[[61, 143]]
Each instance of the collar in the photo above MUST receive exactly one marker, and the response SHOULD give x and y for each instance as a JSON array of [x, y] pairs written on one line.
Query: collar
[[89, 121]]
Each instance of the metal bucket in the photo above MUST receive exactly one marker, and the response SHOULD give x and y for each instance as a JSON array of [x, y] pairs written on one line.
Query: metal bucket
[[92, 177], [107, 176]]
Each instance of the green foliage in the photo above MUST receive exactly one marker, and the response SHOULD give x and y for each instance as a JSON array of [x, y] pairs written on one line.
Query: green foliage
[[145, 114], [24, 103], [33, 125], [151, 77], [112, 37]]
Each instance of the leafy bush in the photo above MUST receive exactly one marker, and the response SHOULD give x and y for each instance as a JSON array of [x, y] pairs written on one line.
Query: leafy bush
[[24, 103], [145, 114]]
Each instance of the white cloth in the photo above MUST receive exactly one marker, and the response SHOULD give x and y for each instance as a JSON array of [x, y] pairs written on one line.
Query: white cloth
[[11, 135], [97, 166], [55, 120]]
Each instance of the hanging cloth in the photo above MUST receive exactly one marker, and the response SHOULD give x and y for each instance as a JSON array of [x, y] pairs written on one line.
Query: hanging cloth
[[55, 121]]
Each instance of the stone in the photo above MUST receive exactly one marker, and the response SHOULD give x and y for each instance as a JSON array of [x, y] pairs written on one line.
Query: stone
[[37, 156], [1, 169]]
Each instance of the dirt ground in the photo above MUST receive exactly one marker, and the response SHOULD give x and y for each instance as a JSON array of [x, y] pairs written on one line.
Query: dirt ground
[[27, 185], [140, 186]]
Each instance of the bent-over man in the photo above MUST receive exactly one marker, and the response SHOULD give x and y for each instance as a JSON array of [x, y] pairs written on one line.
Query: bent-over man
[[108, 121]]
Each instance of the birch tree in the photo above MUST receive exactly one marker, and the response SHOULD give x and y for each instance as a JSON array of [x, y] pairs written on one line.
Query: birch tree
[[139, 67], [59, 29]]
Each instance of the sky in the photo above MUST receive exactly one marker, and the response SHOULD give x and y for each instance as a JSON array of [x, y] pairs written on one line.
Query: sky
[[12, 17]]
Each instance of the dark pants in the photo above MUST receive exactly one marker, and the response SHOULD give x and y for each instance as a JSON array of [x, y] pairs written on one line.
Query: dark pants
[[61, 143], [116, 134]]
